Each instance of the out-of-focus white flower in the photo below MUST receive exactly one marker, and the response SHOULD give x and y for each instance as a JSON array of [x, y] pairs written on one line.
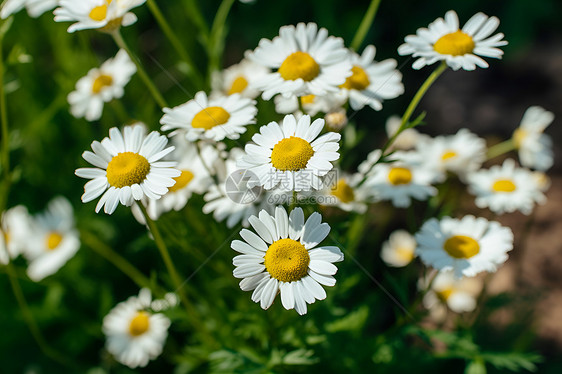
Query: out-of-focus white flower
[[134, 334], [535, 147], [15, 230], [467, 246], [53, 240], [506, 188], [34, 7], [399, 250], [101, 85], [238, 79]]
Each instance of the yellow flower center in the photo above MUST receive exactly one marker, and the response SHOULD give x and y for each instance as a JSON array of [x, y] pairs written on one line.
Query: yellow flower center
[[100, 12], [448, 155], [444, 294], [405, 253], [299, 65], [238, 85], [6, 235], [183, 180], [519, 136], [343, 192], [461, 246], [210, 117], [139, 324], [53, 240], [504, 185], [307, 99], [126, 169], [398, 176], [457, 43], [359, 80], [291, 154], [100, 82], [287, 260]]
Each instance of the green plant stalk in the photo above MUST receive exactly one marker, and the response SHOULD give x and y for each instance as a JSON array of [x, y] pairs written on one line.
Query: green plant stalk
[[196, 16], [5, 135], [140, 70], [165, 254], [117, 260], [217, 36], [365, 25], [500, 148], [414, 103], [174, 40]]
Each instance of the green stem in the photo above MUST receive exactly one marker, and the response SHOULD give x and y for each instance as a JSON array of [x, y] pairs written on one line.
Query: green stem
[[217, 35], [174, 40], [500, 148], [165, 254], [193, 11], [117, 260], [365, 25], [140, 69], [5, 135], [414, 103]]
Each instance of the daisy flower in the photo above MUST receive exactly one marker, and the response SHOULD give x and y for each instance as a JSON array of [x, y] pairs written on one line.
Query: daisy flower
[[399, 250], [467, 246], [105, 15], [459, 48], [34, 7], [305, 61], [239, 78], [291, 155], [127, 168], [101, 85], [282, 258], [402, 180], [506, 188], [372, 81], [134, 334], [14, 229], [446, 291], [461, 153], [346, 193], [535, 147], [211, 118], [54, 240], [407, 138]]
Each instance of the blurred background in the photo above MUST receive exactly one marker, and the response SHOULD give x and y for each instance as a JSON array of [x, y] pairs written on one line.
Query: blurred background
[[521, 312]]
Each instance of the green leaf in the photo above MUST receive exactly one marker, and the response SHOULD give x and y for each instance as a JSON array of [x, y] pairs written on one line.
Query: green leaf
[[475, 367], [300, 357], [354, 321], [513, 361]]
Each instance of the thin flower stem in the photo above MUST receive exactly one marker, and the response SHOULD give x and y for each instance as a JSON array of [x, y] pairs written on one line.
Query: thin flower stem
[[365, 25], [500, 148], [140, 69], [217, 35], [414, 103], [165, 254], [192, 72], [193, 11], [118, 261], [5, 135]]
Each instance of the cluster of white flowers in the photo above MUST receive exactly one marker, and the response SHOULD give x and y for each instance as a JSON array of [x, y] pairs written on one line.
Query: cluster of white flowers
[[314, 80], [47, 240]]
